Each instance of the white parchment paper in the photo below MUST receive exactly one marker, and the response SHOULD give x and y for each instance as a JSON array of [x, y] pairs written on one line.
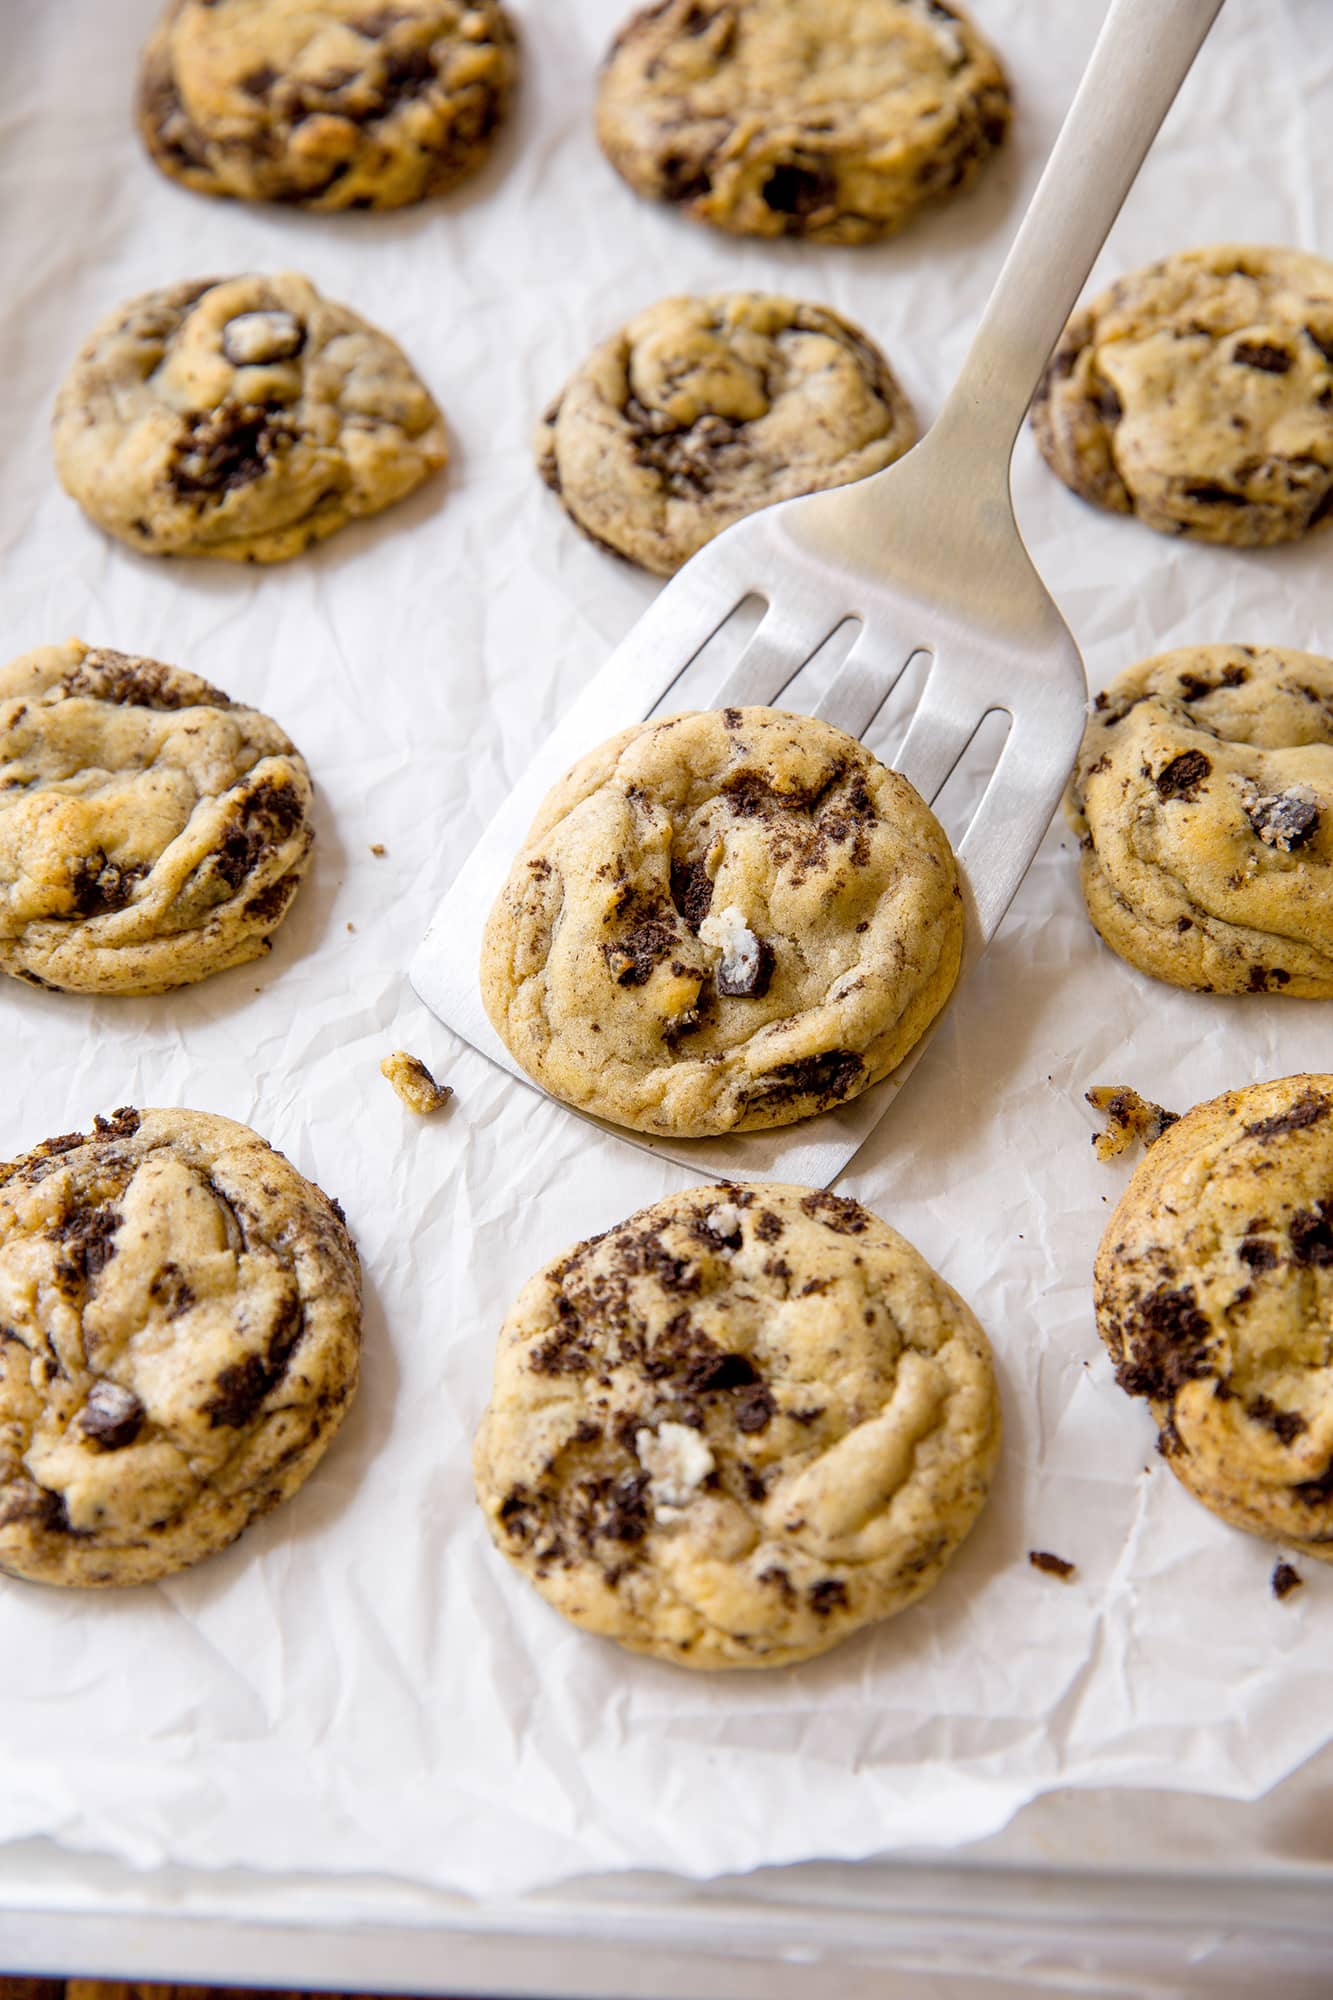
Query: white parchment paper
[[361, 1685]]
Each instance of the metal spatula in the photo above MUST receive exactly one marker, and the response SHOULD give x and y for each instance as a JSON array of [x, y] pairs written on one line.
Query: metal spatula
[[927, 557]]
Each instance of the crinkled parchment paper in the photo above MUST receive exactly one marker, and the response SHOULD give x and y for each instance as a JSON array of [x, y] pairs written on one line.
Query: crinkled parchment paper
[[361, 1685]]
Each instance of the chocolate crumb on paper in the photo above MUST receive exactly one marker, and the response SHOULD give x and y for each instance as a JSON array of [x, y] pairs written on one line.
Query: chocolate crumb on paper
[[414, 1083], [1051, 1565], [1285, 1579], [1131, 1120]]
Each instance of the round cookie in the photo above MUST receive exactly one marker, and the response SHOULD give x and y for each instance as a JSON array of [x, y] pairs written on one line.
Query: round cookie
[[737, 1428], [720, 922], [830, 119], [1203, 800], [1214, 1293], [240, 417], [1198, 394], [331, 104], [151, 830], [702, 410], [180, 1325]]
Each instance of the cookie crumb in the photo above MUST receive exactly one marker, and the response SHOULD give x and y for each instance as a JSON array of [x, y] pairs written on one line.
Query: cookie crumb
[[414, 1083], [1131, 1119], [378, 849], [1286, 1579], [352, 929], [1051, 1565]]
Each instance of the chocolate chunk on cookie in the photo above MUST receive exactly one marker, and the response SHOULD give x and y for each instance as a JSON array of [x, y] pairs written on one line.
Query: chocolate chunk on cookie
[[241, 417], [1202, 798], [830, 119], [152, 831], [331, 104], [729, 1459], [828, 939], [180, 1325], [1198, 394], [1214, 1291], [702, 410]]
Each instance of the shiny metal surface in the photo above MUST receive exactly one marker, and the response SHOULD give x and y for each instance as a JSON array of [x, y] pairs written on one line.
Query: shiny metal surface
[[927, 557]]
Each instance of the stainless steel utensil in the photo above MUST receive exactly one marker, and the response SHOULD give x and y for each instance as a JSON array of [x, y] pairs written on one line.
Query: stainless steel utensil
[[927, 557]]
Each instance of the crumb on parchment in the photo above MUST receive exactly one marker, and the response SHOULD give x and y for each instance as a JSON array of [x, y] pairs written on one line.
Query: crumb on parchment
[[1285, 1579], [1051, 1565], [1130, 1119], [414, 1083], [378, 849]]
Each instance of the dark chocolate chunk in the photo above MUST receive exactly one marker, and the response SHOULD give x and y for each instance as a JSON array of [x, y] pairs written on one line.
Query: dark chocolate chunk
[[1308, 1109], [691, 891], [1311, 1232], [1286, 1425], [1287, 820], [837, 1212], [228, 447], [799, 191], [112, 1417], [1261, 354], [1171, 1345], [1181, 778], [755, 1410], [828, 1595]]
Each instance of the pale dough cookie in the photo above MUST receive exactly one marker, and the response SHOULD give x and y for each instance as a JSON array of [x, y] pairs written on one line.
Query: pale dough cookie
[[1198, 394], [240, 417], [1203, 798], [737, 1428], [723, 921], [151, 831], [1214, 1289], [327, 103], [180, 1325], [831, 119], [703, 409]]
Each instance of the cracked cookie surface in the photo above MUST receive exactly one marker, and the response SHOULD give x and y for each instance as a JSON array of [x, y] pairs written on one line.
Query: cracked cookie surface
[[1198, 394], [702, 410], [721, 922], [1214, 1294], [244, 417], [180, 1328], [738, 1427], [830, 119], [1203, 800], [331, 104], [151, 830]]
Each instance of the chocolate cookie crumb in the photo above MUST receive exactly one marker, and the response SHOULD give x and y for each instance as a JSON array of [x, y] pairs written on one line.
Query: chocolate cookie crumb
[[1131, 1119], [1285, 1579], [414, 1083], [1050, 1565]]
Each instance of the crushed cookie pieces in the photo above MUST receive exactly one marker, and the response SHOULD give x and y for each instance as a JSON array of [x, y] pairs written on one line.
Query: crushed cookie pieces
[[414, 1083], [1131, 1120]]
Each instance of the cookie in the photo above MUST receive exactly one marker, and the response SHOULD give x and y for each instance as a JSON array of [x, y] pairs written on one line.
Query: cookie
[[180, 1324], [1214, 1293], [1198, 394], [1203, 801], [327, 103], [829, 119], [737, 1428], [702, 410], [240, 417], [721, 922], [151, 830]]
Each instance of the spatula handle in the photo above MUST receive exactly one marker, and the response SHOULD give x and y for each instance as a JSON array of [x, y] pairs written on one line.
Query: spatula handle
[[1142, 57]]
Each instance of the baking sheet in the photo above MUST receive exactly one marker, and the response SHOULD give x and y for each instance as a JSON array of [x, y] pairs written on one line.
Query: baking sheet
[[361, 1685]]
